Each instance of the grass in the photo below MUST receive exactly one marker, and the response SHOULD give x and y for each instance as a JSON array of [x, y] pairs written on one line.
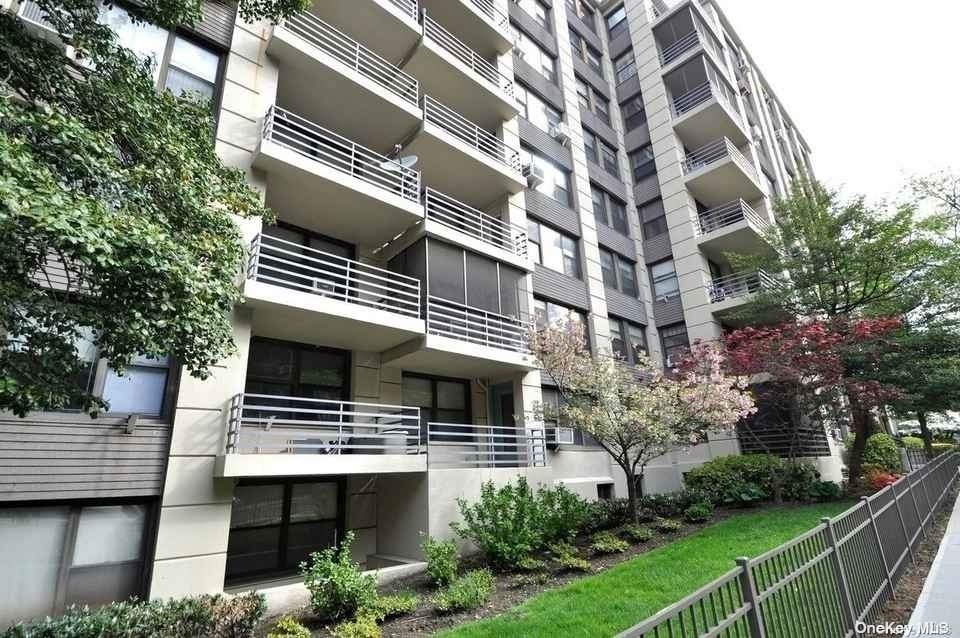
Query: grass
[[607, 603]]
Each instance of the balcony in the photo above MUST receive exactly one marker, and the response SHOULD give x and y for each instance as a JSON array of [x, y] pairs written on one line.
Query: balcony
[[451, 147], [718, 173], [324, 181], [329, 77], [388, 26], [702, 113], [480, 24], [732, 291], [484, 343], [456, 75], [458, 223], [457, 445], [298, 292], [732, 228], [269, 435]]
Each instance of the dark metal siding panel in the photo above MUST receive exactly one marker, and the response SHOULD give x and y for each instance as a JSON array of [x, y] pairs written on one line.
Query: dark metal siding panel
[[640, 136], [616, 241], [606, 181], [541, 142], [628, 88], [60, 458], [598, 126], [591, 77], [537, 33], [581, 27], [526, 74], [625, 306], [668, 312], [217, 22], [647, 189], [560, 288], [657, 248], [620, 44], [552, 212]]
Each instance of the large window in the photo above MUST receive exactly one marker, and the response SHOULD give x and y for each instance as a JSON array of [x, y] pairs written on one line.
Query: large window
[[288, 369], [536, 57], [553, 419], [653, 218], [585, 52], [619, 273], [537, 112], [584, 11], [675, 343], [440, 399], [608, 210], [628, 340], [536, 10], [642, 163], [601, 153], [664, 277], [590, 100], [625, 67], [56, 556], [633, 112], [553, 249], [556, 180], [617, 21]]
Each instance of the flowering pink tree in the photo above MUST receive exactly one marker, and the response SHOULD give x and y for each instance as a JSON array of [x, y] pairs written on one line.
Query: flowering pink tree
[[637, 413]]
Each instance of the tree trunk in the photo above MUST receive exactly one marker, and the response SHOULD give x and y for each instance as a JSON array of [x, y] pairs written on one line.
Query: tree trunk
[[632, 495], [862, 429], [925, 434]]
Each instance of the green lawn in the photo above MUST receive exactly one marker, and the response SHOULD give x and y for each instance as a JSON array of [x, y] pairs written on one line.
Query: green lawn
[[607, 603]]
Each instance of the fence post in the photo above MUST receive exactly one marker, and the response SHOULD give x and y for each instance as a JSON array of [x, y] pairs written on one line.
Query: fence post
[[841, 575], [883, 554], [903, 523], [748, 590], [916, 508]]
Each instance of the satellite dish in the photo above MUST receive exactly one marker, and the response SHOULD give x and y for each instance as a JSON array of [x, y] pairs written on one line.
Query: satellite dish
[[401, 162]]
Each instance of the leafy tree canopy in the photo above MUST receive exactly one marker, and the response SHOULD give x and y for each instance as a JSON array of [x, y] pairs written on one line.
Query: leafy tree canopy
[[115, 211]]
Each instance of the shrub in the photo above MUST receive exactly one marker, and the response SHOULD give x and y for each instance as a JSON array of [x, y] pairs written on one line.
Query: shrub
[[363, 626], [443, 560], [607, 543], [568, 558], [386, 607], [504, 524], [562, 513], [236, 616], [698, 513], [607, 514], [530, 564], [825, 491], [667, 526], [798, 480], [882, 450], [670, 505], [879, 480], [467, 592], [636, 534], [646, 515], [337, 587], [912, 442], [288, 627], [940, 448], [735, 480]]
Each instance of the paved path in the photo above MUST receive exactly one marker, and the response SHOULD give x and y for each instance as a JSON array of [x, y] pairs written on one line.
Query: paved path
[[939, 601]]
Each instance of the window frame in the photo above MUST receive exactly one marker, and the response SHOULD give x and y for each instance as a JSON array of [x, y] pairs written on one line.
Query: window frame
[[547, 22], [554, 169], [530, 45], [586, 52], [591, 99], [654, 280], [615, 29], [536, 227], [630, 122], [524, 93], [617, 265], [623, 72], [585, 12], [640, 171], [605, 215], [663, 335]]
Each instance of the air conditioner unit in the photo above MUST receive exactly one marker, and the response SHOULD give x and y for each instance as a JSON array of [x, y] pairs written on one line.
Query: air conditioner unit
[[559, 436], [560, 132], [780, 134], [744, 88], [534, 175]]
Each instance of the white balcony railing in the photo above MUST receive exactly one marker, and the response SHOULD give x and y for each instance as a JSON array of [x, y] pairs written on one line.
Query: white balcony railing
[[475, 223], [489, 9], [466, 131], [659, 8], [326, 147], [452, 45], [409, 7], [678, 48], [272, 424], [740, 284], [31, 12], [728, 215], [717, 151], [700, 94], [298, 267], [465, 445], [353, 54], [455, 320]]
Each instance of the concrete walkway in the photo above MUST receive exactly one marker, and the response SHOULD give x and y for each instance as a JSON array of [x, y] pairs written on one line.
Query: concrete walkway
[[939, 601]]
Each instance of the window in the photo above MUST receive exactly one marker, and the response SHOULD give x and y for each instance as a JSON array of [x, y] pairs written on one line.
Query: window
[[590, 100], [601, 153], [642, 164], [628, 340], [553, 249], [619, 273], [547, 313], [634, 114], [179, 64], [553, 419], [536, 57], [581, 9], [536, 10], [625, 67], [556, 180], [288, 369], [617, 22], [537, 112], [653, 219], [664, 277], [608, 210], [674, 342], [440, 399], [581, 49]]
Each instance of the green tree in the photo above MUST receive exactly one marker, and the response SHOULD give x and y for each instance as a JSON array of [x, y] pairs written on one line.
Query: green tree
[[115, 211]]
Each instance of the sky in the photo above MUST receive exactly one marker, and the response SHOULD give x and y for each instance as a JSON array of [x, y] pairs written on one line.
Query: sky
[[873, 86]]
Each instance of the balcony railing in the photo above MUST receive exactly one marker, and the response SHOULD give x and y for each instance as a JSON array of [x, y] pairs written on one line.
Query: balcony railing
[[469, 133], [326, 147], [272, 424], [452, 45], [740, 284], [475, 223], [697, 96], [465, 445], [455, 320], [353, 54], [31, 12], [729, 214], [717, 151], [489, 9], [298, 267], [659, 8], [678, 48], [409, 7]]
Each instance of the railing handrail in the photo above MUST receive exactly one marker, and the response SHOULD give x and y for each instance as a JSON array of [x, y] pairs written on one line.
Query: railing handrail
[[322, 145], [452, 44], [471, 445], [737, 278], [491, 11], [715, 151], [466, 131], [678, 48], [476, 223], [407, 6], [467, 323], [729, 214], [354, 54]]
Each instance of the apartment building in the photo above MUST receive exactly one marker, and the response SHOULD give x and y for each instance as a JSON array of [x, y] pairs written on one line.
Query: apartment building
[[445, 174]]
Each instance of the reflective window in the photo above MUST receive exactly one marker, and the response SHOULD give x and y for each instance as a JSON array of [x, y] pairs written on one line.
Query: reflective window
[[581, 49], [675, 343], [533, 55], [601, 153], [584, 11], [625, 67], [556, 180], [619, 273], [592, 101], [555, 315], [628, 340], [664, 278], [537, 112], [653, 219], [634, 114], [553, 249], [608, 210], [617, 22], [536, 10], [642, 163]]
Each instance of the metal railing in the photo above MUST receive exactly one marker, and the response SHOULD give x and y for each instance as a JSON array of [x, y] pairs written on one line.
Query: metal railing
[[455, 320], [822, 583], [451, 44], [659, 8], [31, 12], [475, 223], [272, 424], [465, 445], [407, 6], [678, 48], [298, 267], [697, 96], [740, 284], [326, 147], [489, 9], [469, 133], [323, 36], [728, 214], [714, 152]]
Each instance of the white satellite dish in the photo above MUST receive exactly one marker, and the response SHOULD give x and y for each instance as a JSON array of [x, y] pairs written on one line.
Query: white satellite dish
[[401, 162]]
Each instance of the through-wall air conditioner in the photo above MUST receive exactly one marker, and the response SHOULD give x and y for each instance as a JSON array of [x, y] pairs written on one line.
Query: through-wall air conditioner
[[560, 132], [534, 175], [744, 87], [559, 436]]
